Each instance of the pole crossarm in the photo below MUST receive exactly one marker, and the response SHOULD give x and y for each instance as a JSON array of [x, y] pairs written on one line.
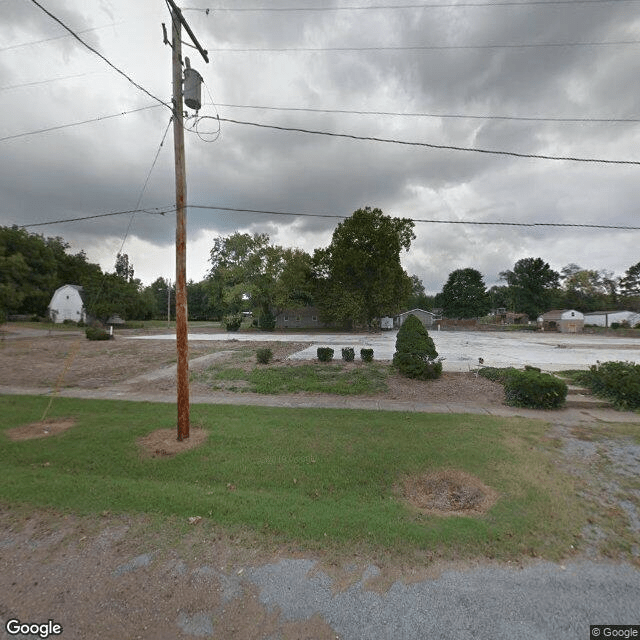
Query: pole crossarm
[[178, 13]]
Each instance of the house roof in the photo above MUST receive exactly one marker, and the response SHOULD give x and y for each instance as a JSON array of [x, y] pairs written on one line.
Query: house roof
[[404, 313], [556, 314]]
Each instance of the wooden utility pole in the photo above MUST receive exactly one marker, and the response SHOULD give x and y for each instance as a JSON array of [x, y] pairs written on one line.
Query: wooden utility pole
[[182, 329]]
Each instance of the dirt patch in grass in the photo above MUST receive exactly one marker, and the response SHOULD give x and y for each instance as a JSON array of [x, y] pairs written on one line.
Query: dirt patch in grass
[[164, 443], [448, 493], [40, 429]]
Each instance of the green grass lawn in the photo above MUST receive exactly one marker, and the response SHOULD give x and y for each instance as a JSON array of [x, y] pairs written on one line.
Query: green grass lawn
[[313, 378], [317, 478]]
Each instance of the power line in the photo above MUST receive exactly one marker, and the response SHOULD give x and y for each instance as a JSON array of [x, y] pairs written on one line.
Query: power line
[[154, 211], [506, 3], [430, 115], [421, 220], [298, 214], [75, 124], [430, 145], [96, 52], [38, 82], [27, 44], [442, 47]]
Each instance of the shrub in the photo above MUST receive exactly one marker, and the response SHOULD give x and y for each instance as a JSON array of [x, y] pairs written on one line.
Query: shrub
[[232, 322], [415, 355], [264, 355], [267, 321], [366, 355], [348, 354], [617, 381], [496, 375], [534, 390], [325, 354], [67, 321], [96, 333], [528, 367]]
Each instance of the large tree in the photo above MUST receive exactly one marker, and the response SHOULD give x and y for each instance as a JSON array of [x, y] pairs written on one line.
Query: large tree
[[359, 275], [464, 295], [248, 272], [533, 284], [587, 289], [630, 287]]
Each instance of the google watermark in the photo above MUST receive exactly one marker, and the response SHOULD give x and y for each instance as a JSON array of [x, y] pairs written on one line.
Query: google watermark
[[46, 629], [614, 631]]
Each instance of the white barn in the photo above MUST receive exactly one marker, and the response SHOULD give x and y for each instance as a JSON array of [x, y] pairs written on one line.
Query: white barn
[[606, 318], [67, 304]]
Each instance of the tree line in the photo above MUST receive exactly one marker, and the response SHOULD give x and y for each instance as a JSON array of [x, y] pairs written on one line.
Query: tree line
[[355, 280], [533, 287]]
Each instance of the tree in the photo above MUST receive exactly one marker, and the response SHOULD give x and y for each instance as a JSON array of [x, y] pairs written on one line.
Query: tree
[[359, 276], [418, 299], [249, 273], [532, 284], [630, 282], [464, 295], [586, 289], [124, 269]]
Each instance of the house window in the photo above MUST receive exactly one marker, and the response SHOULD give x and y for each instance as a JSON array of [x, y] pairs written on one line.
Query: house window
[[314, 318], [297, 318], [286, 318]]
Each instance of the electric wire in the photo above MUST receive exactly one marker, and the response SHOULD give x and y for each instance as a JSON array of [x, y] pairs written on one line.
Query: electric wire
[[499, 223], [431, 145], [49, 80], [75, 124], [144, 186], [421, 220], [152, 211], [455, 5], [96, 52], [27, 44], [438, 47], [430, 115]]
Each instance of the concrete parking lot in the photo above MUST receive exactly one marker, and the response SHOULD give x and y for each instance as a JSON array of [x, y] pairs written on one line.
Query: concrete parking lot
[[462, 349]]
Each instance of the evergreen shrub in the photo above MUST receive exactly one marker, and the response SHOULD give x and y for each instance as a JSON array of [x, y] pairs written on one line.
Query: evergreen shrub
[[416, 355], [348, 354], [325, 354], [264, 355], [366, 355], [97, 333], [232, 322], [534, 390], [267, 321]]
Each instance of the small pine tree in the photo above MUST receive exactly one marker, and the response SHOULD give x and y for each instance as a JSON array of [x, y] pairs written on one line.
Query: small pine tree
[[416, 354]]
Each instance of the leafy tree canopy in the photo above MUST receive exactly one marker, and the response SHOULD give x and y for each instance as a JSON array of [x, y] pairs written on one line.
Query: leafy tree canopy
[[359, 276], [533, 283], [464, 295]]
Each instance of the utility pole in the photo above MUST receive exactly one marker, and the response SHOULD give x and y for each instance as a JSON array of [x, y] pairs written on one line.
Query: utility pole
[[168, 304], [182, 329]]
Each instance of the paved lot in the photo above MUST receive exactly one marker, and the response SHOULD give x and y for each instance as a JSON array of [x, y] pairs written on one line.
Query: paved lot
[[461, 349]]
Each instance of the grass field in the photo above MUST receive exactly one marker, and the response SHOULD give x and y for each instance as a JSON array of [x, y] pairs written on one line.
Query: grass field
[[320, 478]]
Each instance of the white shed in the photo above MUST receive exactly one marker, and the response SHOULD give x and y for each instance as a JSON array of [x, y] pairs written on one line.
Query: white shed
[[67, 304], [562, 320]]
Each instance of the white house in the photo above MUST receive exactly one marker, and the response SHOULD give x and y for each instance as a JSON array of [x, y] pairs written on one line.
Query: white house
[[67, 304], [606, 318]]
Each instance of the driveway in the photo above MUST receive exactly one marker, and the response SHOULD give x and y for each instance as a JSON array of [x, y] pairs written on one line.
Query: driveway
[[461, 349]]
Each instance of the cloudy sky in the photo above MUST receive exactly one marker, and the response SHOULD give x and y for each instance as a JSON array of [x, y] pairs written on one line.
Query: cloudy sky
[[475, 83]]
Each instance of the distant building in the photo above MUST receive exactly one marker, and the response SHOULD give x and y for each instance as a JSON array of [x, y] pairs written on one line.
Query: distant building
[[562, 320], [606, 318], [300, 318], [426, 317], [66, 304]]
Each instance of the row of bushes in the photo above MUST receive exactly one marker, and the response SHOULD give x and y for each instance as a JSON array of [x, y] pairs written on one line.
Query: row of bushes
[[529, 388], [616, 381], [325, 354]]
